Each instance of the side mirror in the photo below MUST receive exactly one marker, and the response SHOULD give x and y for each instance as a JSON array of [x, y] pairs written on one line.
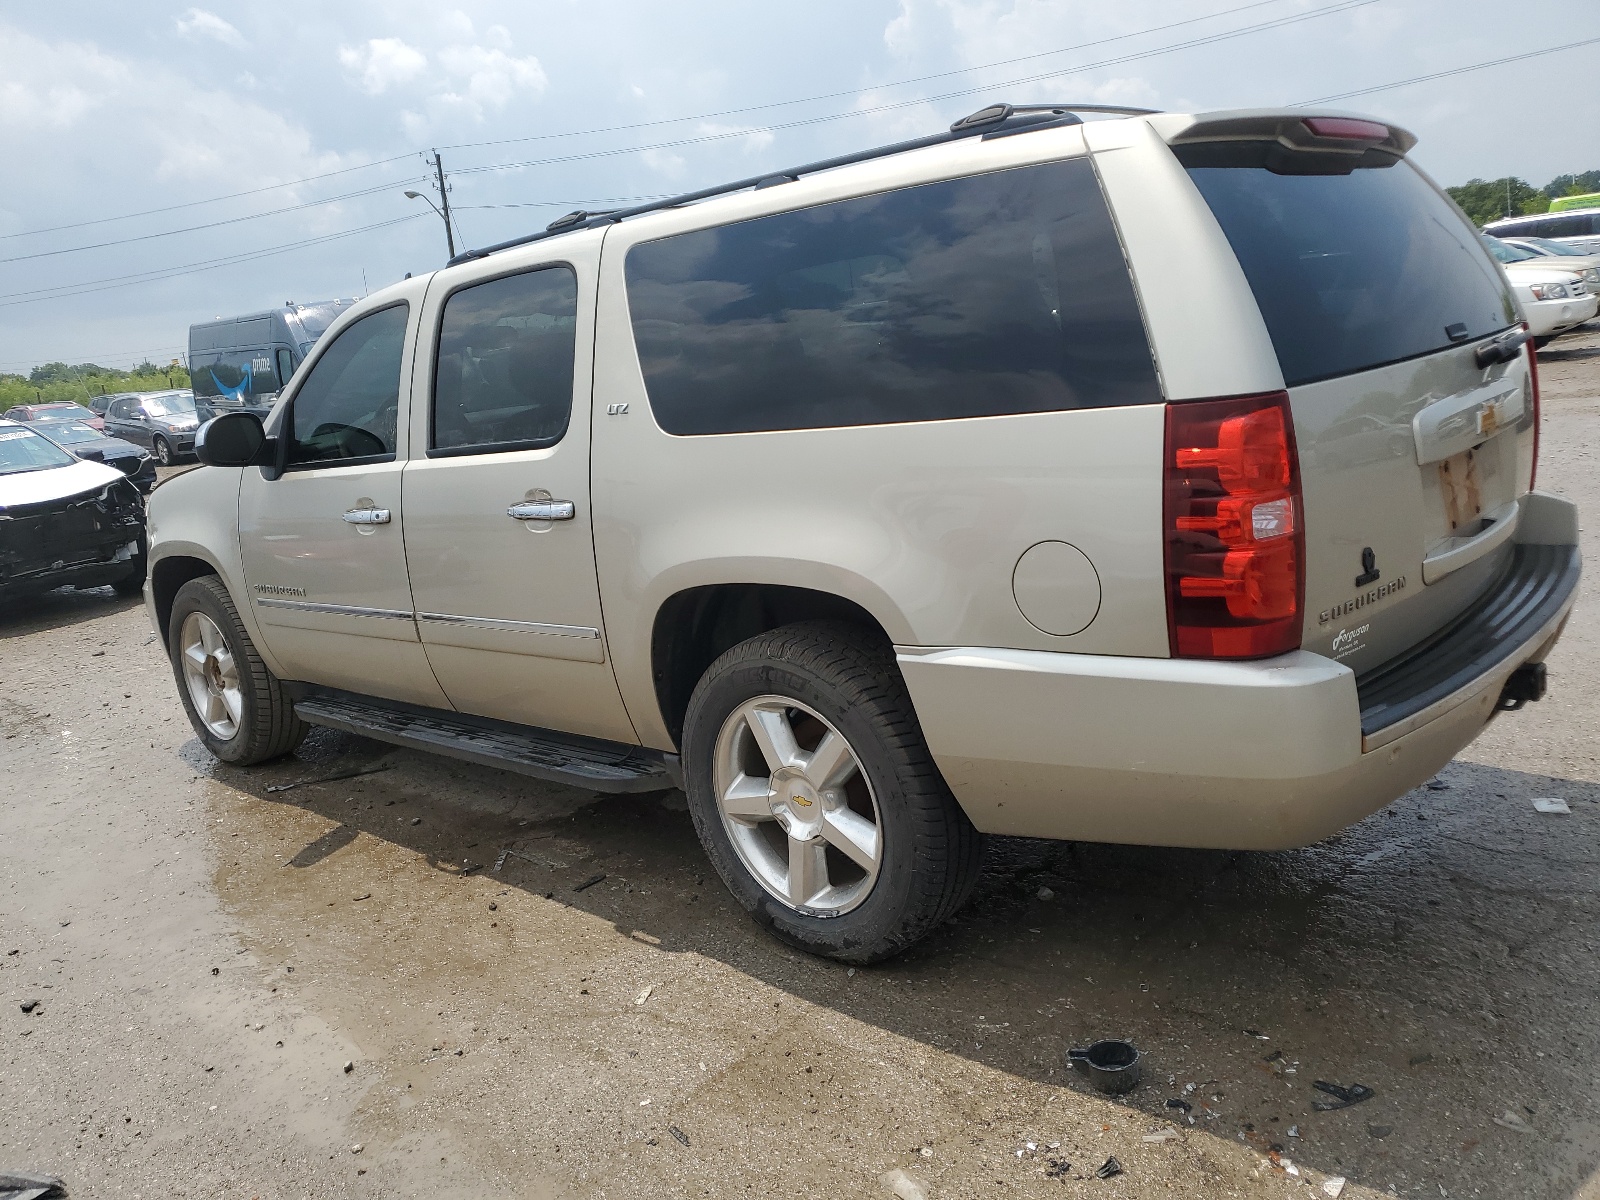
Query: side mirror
[[234, 440]]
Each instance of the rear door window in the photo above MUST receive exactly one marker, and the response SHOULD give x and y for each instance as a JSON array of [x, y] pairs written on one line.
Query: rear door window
[[994, 294], [503, 378], [1350, 271]]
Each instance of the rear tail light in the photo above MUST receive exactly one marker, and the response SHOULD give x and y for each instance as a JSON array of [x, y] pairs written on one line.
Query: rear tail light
[[1538, 416], [1235, 546]]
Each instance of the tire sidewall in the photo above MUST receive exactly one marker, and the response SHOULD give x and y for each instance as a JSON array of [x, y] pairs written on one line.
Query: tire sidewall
[[163, 449], [197, 597], [877, 917]]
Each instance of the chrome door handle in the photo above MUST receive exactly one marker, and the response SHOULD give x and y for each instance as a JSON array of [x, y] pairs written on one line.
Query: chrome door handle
[[367, 516], [543, 510]]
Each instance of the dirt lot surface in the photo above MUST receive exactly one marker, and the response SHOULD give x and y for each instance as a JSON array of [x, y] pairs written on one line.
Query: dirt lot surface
[[209, 948]]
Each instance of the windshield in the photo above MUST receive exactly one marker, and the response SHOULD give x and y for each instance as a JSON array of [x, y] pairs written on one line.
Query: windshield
[[68, 433], [172, 404], [1550, 247], [24, 450], [1506, 252], [315, 318]]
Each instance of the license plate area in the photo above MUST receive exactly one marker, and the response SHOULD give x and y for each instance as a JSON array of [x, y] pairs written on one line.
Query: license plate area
[[1461, 490]]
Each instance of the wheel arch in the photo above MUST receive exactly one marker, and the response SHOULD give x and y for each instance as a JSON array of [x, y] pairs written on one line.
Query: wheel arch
[[169, 574], [695, 626]]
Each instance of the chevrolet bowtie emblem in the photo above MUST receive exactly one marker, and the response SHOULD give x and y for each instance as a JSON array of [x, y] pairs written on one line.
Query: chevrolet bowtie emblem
[[801, 801]]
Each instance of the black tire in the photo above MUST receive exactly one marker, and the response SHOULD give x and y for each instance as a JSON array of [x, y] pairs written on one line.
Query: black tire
[[163, 450], [931, 854], [267, 726]]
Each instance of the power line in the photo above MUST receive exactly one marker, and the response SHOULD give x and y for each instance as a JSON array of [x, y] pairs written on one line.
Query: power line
[[382, 187], [701, 117], [160, 273], [1494, 62], [271, 187], [877, 87], [1210, 39]]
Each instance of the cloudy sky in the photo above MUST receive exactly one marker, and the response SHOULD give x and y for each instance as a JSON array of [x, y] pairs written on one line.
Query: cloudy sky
[[167, 165]]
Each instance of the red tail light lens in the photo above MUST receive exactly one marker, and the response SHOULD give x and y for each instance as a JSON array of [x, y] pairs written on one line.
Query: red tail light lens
[[1235, 547]]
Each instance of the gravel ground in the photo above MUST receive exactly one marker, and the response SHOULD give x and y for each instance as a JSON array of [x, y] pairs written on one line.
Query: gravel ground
[[209, 949]]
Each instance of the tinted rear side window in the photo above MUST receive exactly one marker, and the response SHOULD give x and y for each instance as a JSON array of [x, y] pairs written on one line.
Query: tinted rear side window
[[1350, 271], [1000, 293]]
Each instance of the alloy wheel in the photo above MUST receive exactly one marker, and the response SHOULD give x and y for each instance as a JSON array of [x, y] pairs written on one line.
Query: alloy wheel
[[797, 806], [211, 675]]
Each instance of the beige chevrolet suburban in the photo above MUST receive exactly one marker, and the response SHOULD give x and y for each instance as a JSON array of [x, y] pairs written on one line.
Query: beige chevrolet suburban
[[1154, 478]]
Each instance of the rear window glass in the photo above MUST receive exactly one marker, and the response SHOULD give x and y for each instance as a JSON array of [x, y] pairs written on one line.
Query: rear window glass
[[1350, 271], [999, 293]]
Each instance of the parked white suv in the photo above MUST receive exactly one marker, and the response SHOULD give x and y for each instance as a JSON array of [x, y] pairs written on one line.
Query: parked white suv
[[1553, 297], [1163, 479]]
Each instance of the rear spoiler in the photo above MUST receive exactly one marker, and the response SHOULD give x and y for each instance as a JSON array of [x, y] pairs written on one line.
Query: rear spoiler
[[1315, 131]]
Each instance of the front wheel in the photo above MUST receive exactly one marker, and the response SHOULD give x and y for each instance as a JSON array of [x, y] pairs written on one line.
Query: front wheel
[[163, 450], [815, 796], [238, 708]]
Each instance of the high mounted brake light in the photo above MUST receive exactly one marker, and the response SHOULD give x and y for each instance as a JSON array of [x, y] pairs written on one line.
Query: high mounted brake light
[[1347, 129], [1235, 546]]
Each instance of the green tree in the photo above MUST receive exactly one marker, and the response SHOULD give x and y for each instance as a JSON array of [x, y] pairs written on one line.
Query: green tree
[[1485, 200]]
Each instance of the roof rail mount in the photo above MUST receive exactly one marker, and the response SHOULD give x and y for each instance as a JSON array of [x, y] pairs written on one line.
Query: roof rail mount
[[994, 121], [997, 114]]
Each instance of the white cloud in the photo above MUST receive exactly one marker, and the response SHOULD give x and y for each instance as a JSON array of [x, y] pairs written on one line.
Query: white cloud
[[490, 78], [457, 80], [383, 63], [664, 162], [197, 22]]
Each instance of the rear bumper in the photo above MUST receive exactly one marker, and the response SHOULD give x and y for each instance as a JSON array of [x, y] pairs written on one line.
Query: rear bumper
[[1251, 756]]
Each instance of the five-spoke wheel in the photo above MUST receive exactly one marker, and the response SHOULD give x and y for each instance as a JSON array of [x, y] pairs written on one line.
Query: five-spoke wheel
[[815, 795], [211, 675], [799, 811]]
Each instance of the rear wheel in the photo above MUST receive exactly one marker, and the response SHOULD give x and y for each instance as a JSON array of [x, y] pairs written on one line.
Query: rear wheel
[[238, 708], [816, 798], [163, 450]]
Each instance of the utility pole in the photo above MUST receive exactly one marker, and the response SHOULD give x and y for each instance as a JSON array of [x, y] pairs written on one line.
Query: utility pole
[[444, 198]]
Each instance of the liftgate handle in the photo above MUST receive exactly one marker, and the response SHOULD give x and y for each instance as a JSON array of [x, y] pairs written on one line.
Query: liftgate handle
[[543, 510]]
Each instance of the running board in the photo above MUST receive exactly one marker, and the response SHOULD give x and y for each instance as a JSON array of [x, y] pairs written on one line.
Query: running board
[[541, 753]]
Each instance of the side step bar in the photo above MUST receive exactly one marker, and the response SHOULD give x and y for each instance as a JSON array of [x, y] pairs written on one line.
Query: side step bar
[[588, 763]]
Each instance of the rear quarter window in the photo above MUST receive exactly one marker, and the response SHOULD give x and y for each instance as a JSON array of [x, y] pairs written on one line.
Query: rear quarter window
[[994, 294], [1351, 271]]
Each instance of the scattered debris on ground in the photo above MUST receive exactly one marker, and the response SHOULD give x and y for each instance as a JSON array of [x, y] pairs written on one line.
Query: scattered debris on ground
[[1109, 1168], [1343, 1097], [1552, 806], [904, 1185]]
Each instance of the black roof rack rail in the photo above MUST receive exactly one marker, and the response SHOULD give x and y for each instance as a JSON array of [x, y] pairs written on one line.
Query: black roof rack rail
[[996, 120]]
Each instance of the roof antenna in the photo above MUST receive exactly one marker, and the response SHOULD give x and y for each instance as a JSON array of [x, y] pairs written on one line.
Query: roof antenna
[[365, 290]]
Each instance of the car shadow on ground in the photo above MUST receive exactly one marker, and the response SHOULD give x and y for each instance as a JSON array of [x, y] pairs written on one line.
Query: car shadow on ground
[[46, 611], [1441, 953]]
